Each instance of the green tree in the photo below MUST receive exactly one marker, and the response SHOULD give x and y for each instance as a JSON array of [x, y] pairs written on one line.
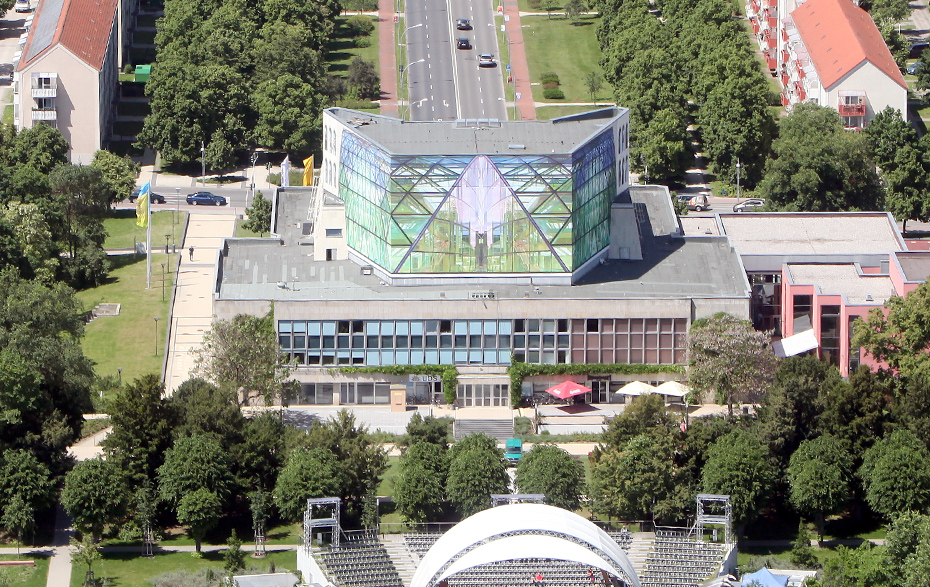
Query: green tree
[[233, 556], [119, 174], [361, 459], [857, 413], [818, 167], [18, 518], [550, 470], [634, 482], [819, 477], [193, 463], [288, 115], [738, 466], [259, 214], [802, 554], [436, 431], [242, 356], [40, 147], [22, 474], [142, 421], [594, 83], [898, 333], [730, 358], [85, 552], [286, 48], [419, 490], [645, 414], [886, 12], [35, 238], [94, 496], [364, 78], [199, 510], [907, 544], [574, 8], [263, 449], [308, 472], [886, 134], [888, 489], [661, 145], [476, 470], [855, 566], [202, 408]]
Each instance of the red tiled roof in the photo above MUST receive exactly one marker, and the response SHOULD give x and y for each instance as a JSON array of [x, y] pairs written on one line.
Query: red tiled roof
[[81, 26], [840, 36]]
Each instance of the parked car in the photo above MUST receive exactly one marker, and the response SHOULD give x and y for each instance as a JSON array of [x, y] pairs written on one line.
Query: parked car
[[698, 203], [23, 6], [462, 24], [913, 67], [205, 199], [486, 60], [463, 43], [153, 197], [513, 451], [917, 49], [750, 205]]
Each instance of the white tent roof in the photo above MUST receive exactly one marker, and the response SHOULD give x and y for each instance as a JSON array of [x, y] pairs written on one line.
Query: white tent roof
[[524, 530], [673, 388], [795, 344], [636, 388]]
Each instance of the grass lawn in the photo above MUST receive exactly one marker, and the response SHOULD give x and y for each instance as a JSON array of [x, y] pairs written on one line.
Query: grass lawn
[[126, 569], [25, 576], [123, 231], [242, 232], [130, 340], [539, 6], [570, 50], [8, 114], [550, 112], [341, 49]]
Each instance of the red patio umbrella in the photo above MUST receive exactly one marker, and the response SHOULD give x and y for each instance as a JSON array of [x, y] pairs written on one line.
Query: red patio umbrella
[[568, 389]]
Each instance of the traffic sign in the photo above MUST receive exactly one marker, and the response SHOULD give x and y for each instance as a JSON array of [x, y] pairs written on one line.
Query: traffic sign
[[508, 67]]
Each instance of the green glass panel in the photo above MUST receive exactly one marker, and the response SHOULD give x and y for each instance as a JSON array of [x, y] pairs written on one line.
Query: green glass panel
[[553, 205], [410, 205]]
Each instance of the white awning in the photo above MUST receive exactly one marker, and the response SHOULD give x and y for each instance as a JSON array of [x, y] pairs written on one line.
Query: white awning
[[636, 388], [796, 344], [673, 388]]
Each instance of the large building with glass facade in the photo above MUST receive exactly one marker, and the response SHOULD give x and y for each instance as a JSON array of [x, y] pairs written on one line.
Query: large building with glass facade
[[478, 245]]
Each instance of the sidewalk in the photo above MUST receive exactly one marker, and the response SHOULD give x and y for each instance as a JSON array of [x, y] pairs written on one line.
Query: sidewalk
[[519, 68], [387, 58]]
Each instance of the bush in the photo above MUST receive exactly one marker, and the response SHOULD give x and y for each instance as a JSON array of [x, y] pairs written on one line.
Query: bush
[[362, 42], [550, 77], [553, 94], [360, 25]]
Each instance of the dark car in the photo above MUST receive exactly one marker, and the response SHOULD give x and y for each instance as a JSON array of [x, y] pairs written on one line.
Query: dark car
[[463, 43], [917, 49], [913, 67], [462, 24], [486, 60], [750, 205], [153, 197], [205, 199]]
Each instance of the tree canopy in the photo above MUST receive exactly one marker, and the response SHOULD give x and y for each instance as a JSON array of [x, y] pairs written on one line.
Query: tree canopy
[[476, 470], [420, 488], [308, 472], [819, 476], [738, 465], [550, 470], [895, 474]]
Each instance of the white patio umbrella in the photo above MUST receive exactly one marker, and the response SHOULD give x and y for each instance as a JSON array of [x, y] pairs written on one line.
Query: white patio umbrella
[[674, 389], [636, 388]]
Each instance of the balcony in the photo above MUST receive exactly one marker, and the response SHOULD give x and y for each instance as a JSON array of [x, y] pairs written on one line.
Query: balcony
[[50, 114], [852, 109], [771, 61], [45, 92], [772, 41], [784, 100]]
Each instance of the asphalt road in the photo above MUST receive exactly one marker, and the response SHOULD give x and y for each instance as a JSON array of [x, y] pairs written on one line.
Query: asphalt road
[[480, 90], [445, 83], [430, 64], [236, 197]]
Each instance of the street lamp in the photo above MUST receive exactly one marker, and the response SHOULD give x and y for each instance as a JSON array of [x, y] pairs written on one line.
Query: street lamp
[[403, 36], [252, 183], [119, 376], [738, 168], [156, 336], [167, 237], [162, 288], [203, 165], [404, 80], [177, 207]]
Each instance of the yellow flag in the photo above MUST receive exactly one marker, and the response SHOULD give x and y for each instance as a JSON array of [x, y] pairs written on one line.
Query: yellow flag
[[308, 170], [142, 205]]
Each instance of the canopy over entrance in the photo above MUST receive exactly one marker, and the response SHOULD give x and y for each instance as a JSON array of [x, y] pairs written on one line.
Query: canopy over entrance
[[519, 531]]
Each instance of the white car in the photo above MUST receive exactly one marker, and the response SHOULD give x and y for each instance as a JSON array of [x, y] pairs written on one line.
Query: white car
[[486, 60], [23, 6]]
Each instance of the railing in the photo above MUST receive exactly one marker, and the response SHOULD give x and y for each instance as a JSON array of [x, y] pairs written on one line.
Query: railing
[[852, 109], [50, 114], [45, 92]]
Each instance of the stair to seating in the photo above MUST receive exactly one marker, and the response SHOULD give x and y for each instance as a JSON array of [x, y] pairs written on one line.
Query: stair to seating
[[400, 556], [639, 549], [499, 429]]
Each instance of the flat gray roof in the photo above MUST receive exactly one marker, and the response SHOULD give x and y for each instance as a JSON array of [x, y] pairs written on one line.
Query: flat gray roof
[[844, 280], [672, 268], [812, 233], [472, 137], [915, 265]]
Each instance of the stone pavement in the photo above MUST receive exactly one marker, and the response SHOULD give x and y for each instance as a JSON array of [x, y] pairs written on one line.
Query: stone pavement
[[518, 64], [387, 58]]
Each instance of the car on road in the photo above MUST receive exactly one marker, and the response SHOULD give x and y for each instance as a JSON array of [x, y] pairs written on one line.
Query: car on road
[[750, 205], [23, 6], [463, 43], [153, 197], [913, 67], [205, 199], [486, 60], [462, 24], [698, 203]]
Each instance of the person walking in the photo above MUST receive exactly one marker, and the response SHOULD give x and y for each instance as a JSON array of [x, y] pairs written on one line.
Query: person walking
[[191, 251]]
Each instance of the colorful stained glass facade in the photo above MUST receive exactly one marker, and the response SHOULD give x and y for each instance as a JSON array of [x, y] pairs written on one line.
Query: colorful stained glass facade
[[478, 213]]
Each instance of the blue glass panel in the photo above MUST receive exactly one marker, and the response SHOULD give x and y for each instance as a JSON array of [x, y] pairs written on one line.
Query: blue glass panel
[[474, 327], [284, 326], [461, 356], [329, 328], [416, 327], [387, 357], [505, 327], [503, 357], [445, 357], [314, 328], [372, 358], [432, 357], [460, 327], [403, 328], [300, 327], [416, 357], [372, 327], [402, 358], [474, 356], [387, 327], [490, 357], [490, 326]]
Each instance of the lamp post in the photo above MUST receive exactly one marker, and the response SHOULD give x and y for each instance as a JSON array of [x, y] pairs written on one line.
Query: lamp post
[[252, 182], [738, 168], [156, 336], [167, 237], [177, 207], [119, 376], [162, 286], [203, 165], [404, 82], [403, 36]]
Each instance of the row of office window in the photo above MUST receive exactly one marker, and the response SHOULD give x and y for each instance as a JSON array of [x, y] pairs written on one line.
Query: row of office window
[[447, 342], [379, 393]]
